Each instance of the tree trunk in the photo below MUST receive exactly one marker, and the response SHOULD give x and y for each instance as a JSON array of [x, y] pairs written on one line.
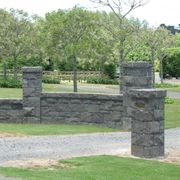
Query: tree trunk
[[102, 68], [74, 73], [15, 67], [120, 77], [121, 60], [161, 70], [153, 73], [4, 71]]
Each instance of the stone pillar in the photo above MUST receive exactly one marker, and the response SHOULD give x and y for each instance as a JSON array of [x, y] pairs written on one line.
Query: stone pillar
[[136, 75], [32, 88], [147, 133]]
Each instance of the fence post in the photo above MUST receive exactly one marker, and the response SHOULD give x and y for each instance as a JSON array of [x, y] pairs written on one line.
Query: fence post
[[135, 75], [32, 88], [147, 133]]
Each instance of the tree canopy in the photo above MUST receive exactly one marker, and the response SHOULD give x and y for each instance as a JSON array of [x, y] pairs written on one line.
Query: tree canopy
[[78, 39]]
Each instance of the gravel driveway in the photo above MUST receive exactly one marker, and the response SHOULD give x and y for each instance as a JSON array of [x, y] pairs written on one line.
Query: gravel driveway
[[60, 147]]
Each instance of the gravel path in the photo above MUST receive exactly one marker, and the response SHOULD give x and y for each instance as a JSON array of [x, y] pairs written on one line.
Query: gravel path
[[60, 147], [175, 95]]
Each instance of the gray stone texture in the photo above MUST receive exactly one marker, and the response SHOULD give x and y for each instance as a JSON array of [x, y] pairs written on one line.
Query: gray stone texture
[[108, 110], [136, 75], [147, 113], [11, 111], [82, 108], [38, 107], [32, 88]]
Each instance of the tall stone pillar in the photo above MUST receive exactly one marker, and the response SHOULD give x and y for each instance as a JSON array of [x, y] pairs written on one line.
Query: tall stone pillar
[[32, 88], [136, 75], [147, 132]]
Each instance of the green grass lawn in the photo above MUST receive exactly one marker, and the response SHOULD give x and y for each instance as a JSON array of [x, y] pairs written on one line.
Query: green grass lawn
[[172, 89], [66, 87], [51, 129], [172, 114], [10, 93], [100, 168]]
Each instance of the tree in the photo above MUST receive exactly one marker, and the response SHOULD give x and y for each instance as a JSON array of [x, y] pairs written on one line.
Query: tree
[[171, 62], [70, 34], [166, 40], [4, 16], [171, 56], [121, 28], [102, 45], [156, 40], [16, 36], [172, 29], [41, 49]]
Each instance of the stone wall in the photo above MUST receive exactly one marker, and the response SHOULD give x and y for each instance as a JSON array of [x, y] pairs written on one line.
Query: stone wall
[[11, 111], [109, 110], [147, 133], [32, 88], [136, 75], [82, 108], [38, 107]]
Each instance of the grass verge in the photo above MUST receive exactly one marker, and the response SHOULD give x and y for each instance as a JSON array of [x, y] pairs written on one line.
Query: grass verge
[[51, 129], [10, 93], [173, 89], [100, 168], [172, 114]]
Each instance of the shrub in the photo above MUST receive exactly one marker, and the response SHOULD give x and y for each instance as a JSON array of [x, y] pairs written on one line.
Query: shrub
[[110, 70], [50, 80], [171, 63], [33, 61], [169, 100], [10, 83], [102, 80]]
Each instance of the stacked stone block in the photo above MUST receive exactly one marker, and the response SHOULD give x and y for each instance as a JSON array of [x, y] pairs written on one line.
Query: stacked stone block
[[32, 88], [11, 111], [147, 133], [104, 110], [136, 75]]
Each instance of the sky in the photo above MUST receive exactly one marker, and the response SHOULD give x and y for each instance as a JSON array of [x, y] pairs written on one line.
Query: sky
[[155, 12]]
